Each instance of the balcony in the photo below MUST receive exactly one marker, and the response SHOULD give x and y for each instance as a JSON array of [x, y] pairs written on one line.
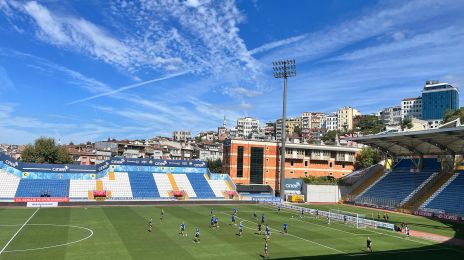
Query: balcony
[[294, 155]]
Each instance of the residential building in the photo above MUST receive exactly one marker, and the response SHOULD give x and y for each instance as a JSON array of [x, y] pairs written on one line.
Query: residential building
[[258, 162], [437, 99], [411, 108], [332, 122], [182, 136], [391, 116], [270, 131], [345, 118], [246, 126], [292, 125], [313, 125]]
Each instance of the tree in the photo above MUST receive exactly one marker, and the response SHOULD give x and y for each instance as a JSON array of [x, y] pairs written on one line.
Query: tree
[[368, 124], [406, 123], [367, 157], [45, 150], [329, 137], [215, 165], [451, 115]]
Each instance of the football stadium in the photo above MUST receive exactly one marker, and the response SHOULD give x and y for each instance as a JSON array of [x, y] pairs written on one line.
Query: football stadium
[[409, 206]]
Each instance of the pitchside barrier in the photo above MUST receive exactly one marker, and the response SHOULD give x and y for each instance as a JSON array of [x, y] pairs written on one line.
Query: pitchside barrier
[[353, 218]]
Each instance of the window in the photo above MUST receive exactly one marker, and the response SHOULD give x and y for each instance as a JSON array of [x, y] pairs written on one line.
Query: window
[[240, 162], [330, 164], [267, 159], [291, 163], [306, 163], [256, 165], [306, 174], [291, 172], [330, 174], [343, 165], [267, 148]]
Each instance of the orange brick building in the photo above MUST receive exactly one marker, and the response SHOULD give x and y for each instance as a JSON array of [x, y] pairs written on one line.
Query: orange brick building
[[258, 162]]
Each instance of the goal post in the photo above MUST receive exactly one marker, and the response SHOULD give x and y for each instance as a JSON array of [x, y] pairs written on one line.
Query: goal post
[[347, 217]]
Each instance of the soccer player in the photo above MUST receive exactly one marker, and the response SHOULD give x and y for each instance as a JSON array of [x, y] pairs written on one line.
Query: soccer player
[[254, 215], [233, 219], [302, 213], [150, 225], [211, 212], [328, 220], [197, 236], [285, 228], [266, 249], [259, 228], [182, 228], [240, 229], [211, 224], [369, 244], [317, 213], [162, 215], [216, 222], [387, 217], [235, 211], [278, 208], [344, 219], [268, 232], [407, 230], [262, 218]]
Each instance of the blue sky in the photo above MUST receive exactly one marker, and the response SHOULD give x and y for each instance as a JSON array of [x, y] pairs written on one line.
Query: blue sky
[[89, 70]]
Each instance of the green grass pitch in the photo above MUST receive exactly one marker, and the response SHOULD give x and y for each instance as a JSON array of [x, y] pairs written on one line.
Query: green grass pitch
[[121, 233]]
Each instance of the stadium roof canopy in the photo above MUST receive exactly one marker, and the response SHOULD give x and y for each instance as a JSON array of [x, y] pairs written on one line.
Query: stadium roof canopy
[[443, 141]]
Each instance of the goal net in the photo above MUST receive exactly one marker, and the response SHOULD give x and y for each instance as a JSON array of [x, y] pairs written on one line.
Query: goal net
[[347, 217]]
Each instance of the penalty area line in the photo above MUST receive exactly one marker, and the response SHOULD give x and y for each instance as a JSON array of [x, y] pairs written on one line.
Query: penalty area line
[[19, 230]]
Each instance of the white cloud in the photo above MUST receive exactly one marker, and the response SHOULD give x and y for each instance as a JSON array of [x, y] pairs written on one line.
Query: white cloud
[[242, 92]]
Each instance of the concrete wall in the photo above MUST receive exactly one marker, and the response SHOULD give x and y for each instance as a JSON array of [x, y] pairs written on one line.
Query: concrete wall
[[322, 193]]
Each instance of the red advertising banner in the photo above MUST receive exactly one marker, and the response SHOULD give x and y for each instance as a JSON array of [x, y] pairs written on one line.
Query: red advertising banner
[[41, 199], [449, 217], [423, 213]]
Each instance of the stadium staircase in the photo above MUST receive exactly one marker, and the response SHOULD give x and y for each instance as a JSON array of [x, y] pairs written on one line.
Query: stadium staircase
[[163, 184], [34, 188], [143, 185], [371, 176], [448, 198], [8, 185], [200, 186]]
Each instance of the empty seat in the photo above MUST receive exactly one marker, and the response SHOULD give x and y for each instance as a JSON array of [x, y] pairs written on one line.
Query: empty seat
[[31, 188], [79, 189], [120, 187], [451, 198], [218, 187], [143, 185], [163, 184], [183, 183], [201, 186], [8, 185]]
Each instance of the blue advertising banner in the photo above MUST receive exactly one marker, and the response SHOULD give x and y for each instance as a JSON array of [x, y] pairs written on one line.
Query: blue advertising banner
[[293, 184]]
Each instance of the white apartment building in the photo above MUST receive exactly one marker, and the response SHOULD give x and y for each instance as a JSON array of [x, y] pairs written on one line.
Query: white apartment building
[[182, 135], [332, 122], [247, 126], [411, 108]]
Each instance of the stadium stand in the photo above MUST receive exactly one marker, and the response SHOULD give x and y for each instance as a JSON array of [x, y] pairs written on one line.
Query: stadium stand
[[143, 185], [183, 184], [201, 186], [120, 187], [163, 184], [218, 187], [398, 184], [79, 189], [33, 188], [449, 197], [8, 185]]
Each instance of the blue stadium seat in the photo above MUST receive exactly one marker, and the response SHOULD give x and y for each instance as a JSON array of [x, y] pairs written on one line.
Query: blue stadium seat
[[431, 165], [394, 187], [31, 188], [450, 199], [143, 185], [201, 186]]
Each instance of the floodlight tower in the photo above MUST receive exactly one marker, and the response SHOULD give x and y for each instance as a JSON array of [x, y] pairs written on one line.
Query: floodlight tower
[[283, 69]]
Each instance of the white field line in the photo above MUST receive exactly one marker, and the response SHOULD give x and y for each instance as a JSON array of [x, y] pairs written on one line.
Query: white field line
[[380, 233], [304, 239], [17, 232]]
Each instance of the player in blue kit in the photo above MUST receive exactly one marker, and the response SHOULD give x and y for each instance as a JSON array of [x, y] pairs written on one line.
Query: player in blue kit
[[262, 218], [233, 219], [235, 211], [285, 228], [182, 228]]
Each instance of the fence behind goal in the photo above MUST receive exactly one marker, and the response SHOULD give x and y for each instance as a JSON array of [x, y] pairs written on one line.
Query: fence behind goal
[[336, 215]]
